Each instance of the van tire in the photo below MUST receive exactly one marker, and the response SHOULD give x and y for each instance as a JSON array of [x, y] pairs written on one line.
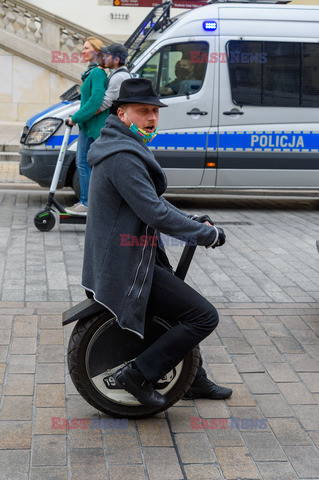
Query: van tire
[[76, 184]]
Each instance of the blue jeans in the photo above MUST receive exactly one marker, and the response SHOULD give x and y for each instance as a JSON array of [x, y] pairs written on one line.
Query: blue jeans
[[84, 169]]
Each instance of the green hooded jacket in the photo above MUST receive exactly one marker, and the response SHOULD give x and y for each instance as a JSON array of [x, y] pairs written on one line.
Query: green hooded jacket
[[92, 94]]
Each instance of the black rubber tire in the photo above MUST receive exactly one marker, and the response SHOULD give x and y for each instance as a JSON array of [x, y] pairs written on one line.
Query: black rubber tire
[[76, 184], [44, 221], [78, 343]]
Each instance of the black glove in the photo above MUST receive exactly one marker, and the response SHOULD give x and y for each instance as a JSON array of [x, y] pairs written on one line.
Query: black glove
[[221, 239], [202, 219]]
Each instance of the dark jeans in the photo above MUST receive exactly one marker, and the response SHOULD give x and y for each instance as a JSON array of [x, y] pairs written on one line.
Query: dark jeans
[[174, 300]]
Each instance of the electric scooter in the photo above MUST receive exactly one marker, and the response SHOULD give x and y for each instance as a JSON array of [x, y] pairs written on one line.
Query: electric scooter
[[45, 220], [98, 347]]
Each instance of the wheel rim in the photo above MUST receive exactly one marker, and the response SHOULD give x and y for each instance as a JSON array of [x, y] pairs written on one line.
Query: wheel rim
[[125, 346]]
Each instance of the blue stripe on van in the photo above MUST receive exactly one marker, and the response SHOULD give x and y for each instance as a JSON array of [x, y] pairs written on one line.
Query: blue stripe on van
[[51, 109], [270, 141], [56, 140], [241, 141], [212, 141], [250, 141], [180, 140], [185, 140]]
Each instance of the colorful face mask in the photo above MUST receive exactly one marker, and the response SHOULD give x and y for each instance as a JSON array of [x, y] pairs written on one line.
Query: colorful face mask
[[146, 136]]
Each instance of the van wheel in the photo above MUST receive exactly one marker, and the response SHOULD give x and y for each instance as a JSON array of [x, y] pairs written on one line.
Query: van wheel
[[76, 184]]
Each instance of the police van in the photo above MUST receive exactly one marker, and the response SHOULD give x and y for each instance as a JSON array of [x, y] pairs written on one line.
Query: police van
[[241, 81]]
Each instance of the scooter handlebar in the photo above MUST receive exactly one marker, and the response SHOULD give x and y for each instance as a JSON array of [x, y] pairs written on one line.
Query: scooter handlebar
[[67, 123]]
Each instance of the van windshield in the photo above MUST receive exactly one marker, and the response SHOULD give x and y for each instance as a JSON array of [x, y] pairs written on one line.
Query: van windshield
[[143, 47]]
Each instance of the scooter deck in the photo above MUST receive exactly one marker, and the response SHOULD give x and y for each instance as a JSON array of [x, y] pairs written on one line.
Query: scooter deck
[[71, 218]]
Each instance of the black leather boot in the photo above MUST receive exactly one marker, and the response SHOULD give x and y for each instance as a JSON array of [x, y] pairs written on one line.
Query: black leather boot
[[205, 388], [132, 380]]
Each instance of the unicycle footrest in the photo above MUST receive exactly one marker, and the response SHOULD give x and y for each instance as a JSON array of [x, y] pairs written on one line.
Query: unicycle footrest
[[85, 309]]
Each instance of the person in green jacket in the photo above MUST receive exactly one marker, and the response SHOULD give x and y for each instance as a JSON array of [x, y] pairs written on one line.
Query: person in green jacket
[[92, 94]]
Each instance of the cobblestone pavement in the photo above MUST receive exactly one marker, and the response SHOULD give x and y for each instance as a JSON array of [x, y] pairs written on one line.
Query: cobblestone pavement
[[265, 284]]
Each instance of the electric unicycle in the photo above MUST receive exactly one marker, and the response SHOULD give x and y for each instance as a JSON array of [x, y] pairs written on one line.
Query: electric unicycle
[[98, 347]]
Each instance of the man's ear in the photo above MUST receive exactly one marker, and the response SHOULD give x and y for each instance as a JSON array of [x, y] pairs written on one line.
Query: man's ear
[[121, 114]]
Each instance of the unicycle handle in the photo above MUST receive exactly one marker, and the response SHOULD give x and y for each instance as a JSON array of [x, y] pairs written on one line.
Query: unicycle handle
[[185, 261], [186, 257]]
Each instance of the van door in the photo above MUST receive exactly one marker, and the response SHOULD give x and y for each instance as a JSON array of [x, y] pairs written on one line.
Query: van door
[[184, 83], [268, 116]]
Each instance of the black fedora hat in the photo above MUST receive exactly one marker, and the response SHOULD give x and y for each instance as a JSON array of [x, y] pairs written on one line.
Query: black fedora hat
[[137, 90]]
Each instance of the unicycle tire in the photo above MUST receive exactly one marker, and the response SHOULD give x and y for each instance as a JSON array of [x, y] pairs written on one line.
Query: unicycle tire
[[98, 346]]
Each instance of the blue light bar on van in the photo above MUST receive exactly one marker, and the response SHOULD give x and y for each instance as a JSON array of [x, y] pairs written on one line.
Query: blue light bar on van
[[209, 25], [145, 30]]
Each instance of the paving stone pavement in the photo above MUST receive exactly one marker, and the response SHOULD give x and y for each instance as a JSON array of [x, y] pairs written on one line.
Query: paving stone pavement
[[265, 284]]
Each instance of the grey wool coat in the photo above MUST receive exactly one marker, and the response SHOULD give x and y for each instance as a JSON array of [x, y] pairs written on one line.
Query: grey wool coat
[[125, 201]]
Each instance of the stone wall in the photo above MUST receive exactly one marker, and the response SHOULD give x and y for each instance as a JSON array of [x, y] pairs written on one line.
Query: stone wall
[[26, 88]]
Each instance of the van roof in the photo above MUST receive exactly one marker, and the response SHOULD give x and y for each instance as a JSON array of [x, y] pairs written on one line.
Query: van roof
[[250, 1], [240, 18], [252, 9]]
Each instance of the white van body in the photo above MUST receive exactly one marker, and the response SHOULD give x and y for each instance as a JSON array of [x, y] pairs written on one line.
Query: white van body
[[251, 119]]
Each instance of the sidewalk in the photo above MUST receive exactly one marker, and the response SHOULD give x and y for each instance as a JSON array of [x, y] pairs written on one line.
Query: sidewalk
[[265, 285]]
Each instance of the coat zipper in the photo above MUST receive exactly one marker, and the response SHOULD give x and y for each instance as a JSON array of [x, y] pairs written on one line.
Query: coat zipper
[[139, 265], [148, 265]]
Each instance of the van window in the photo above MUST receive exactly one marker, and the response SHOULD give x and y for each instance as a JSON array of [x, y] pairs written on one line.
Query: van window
[[274, 73], [175, 69], [150, 69]]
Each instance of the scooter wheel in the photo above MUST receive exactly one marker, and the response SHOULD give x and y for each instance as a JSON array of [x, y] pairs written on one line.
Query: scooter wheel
[[44, 221], [98, 347]]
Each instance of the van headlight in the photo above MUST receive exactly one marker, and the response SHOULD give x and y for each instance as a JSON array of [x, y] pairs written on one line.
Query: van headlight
[[41, 131]]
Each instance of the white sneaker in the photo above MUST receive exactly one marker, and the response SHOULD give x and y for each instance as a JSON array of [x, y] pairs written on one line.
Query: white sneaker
[[77, 209]]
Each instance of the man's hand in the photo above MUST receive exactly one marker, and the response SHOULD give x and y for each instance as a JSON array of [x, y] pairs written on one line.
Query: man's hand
[[220, 234], [221, 239], [203, 219]]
